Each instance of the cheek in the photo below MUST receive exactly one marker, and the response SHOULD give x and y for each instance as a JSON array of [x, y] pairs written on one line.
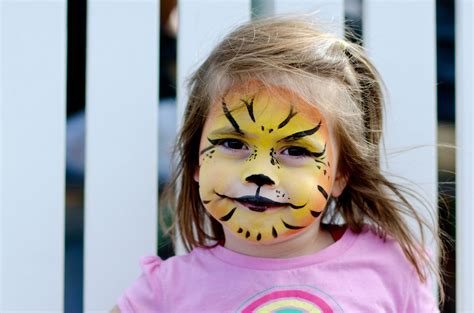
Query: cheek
[[306, 183], [216, 174]]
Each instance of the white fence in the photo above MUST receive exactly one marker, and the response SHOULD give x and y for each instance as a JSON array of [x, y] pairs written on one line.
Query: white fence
[[464, 156], [121, 159]]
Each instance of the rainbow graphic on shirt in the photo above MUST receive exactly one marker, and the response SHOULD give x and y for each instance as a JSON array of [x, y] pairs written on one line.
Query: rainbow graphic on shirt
[[290, 299]]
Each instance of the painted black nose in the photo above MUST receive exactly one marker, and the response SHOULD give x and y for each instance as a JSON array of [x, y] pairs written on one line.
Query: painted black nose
[[260, 180]]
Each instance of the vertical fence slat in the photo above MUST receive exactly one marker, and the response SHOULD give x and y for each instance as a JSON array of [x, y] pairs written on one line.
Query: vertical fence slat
[[328, 13], [32, 104], [202, 23], [1, 158], [464, 155], [121, 146], [405, 55]]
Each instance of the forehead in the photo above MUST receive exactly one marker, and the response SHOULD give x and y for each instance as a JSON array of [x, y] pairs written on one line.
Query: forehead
[[264, 104]]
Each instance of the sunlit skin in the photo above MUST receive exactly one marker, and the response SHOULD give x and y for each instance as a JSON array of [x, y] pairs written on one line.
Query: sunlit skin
[[266, 165]]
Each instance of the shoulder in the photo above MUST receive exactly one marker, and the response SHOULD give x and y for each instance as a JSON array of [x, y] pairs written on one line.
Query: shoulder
[[387, 250], [149, 292], [142, 294], [381, 258], [384, 260], [176, 267]]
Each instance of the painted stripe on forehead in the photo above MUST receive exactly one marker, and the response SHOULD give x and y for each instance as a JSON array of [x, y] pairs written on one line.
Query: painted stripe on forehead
[[301, 134], [249, 105], [288, 118], [231, 119]]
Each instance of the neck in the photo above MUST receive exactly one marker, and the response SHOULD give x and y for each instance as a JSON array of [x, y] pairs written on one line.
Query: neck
[[308, 241]]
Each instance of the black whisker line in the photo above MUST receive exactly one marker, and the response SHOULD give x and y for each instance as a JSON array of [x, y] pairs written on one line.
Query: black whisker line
[[231, 118], [301, 134], [297, 207], [287, 119], [228, 216], [291, 226], [274, 232], [249, 108], [315, 213], [319, 161], [323, 192]]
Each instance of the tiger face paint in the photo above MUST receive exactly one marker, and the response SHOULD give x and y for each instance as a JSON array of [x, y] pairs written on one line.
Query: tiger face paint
[[265, 169]]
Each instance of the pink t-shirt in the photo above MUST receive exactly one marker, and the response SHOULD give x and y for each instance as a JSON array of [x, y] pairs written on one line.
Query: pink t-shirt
[[358, 273]]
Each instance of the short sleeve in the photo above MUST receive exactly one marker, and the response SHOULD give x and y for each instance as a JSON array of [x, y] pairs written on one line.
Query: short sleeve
[[143, 295]]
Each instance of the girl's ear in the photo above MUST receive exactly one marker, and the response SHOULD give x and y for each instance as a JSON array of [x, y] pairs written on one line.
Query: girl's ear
[[339, 184], [196, 174]]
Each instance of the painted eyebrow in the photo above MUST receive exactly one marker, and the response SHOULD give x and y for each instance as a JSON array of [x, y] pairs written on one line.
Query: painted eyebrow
[[227, 131], [301, 134]]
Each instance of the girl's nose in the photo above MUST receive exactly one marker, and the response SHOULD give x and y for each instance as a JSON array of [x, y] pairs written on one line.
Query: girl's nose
[[260, 180], [261, 171], [261, 176]]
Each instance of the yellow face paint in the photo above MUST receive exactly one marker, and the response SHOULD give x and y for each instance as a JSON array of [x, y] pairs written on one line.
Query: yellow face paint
[[265, 163]]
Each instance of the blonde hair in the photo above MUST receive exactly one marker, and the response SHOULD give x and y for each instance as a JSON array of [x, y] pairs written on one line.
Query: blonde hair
[[324, 69]]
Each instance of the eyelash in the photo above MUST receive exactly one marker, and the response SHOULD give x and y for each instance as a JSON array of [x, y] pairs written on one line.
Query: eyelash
[[292, 151], [227, 143], [300, 152]]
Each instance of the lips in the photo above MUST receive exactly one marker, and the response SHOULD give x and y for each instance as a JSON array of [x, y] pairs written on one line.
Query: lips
[[259, 203]]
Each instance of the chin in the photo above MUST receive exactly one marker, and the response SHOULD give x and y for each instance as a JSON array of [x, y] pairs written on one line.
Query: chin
[[266, 242]]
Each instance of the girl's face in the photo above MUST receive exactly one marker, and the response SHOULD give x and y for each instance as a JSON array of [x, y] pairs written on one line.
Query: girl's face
[[266, 165]]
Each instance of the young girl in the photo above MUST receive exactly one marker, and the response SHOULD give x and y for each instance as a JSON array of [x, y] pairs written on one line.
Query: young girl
[[282, 130]]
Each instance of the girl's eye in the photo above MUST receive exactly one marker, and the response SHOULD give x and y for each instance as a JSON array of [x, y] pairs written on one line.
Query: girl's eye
[[234, 144], [296, 151]]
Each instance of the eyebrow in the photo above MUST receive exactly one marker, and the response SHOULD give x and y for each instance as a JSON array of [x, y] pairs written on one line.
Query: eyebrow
[[227, 131], [301, 134]]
